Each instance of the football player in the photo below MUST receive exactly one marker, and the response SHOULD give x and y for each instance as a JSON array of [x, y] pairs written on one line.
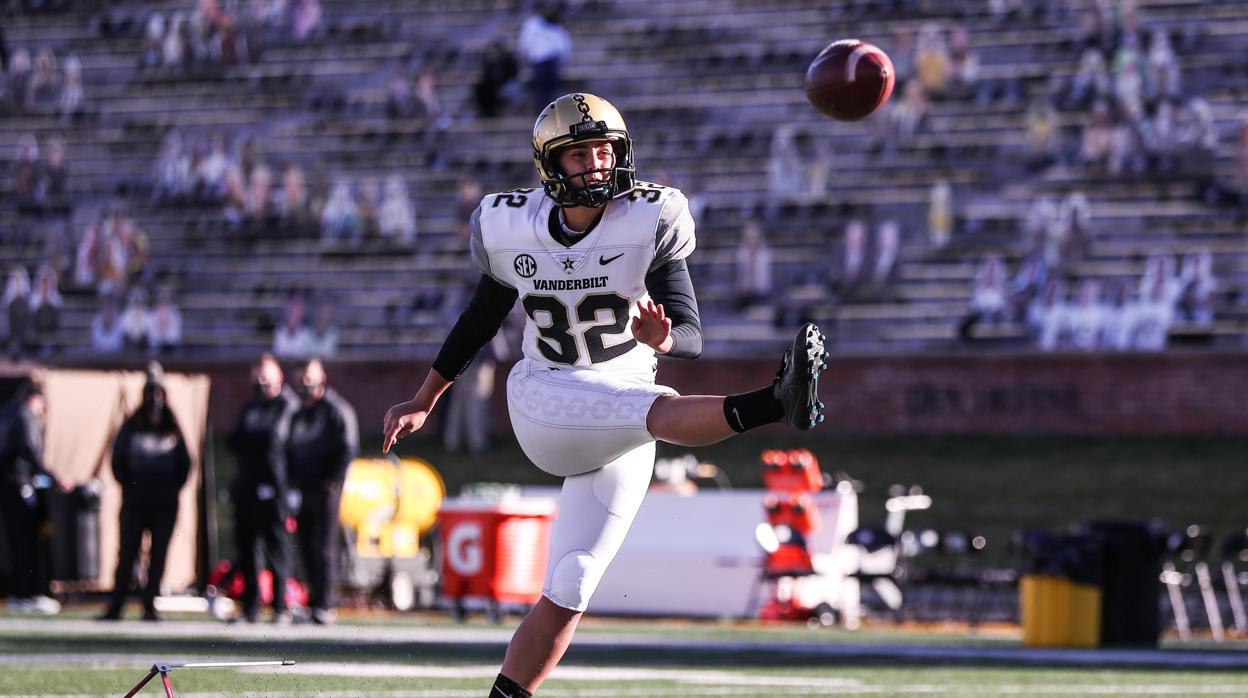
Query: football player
[[597, 260]]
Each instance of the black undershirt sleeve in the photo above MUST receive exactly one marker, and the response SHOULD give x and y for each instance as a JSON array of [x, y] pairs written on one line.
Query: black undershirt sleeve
[[670, 286], [476, 326]]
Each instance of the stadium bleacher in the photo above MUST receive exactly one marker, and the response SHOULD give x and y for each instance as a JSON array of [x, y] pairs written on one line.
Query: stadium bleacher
[[705, 84]]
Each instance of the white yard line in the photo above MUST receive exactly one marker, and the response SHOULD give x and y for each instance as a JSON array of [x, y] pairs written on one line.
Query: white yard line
[[693, 683], [569, 673], [739, 683]]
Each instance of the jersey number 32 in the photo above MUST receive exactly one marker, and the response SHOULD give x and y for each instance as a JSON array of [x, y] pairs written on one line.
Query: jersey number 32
[[561, 345]]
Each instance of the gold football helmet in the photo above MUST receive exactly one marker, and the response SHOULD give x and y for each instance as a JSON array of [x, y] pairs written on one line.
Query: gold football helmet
[[577, 118]]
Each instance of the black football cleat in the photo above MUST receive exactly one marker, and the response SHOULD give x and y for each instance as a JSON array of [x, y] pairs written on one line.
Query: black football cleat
[[797, 382]]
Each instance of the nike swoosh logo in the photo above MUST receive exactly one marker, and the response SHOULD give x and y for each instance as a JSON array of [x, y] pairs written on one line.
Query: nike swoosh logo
[[737, 416], [608, 260]]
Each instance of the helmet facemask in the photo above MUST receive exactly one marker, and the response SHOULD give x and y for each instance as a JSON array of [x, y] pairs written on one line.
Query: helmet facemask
[[563, 188]]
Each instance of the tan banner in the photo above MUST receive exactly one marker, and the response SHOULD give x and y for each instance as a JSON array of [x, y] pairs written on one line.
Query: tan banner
[[85, 410]]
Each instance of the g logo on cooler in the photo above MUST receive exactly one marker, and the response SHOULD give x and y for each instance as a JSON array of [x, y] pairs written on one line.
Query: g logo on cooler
[[463, 548], [525, 265]]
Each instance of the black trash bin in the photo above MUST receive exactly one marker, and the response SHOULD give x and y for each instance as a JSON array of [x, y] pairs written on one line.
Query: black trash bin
[[75, 542], [1130, 581], [1059, 589], [87, 524]]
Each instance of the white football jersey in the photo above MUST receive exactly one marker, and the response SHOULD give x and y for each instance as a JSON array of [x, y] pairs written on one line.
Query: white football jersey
[[579, 300]]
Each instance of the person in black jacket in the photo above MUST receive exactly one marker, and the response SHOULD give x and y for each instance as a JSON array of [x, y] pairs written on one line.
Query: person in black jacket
[[324, 438], [260, 490], [21, 473], [151, 463], [499, 70]]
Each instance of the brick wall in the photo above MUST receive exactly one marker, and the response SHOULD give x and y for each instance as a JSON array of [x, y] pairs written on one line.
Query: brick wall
[[1090, 394]]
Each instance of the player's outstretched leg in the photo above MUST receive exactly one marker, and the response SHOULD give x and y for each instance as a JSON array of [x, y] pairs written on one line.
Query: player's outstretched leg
[[792, 398]]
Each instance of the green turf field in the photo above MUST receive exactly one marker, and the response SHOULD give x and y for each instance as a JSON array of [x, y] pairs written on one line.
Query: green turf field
[[427, 656], [742, 683]]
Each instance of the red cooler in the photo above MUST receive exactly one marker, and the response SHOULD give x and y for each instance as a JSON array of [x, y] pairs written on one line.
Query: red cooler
[[495, 549]]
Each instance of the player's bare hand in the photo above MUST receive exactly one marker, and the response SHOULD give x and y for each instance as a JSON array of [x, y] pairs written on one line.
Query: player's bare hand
[[402, 419], [652, 326]]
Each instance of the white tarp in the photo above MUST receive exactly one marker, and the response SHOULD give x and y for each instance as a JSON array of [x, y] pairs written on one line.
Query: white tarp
[[698, 556], [85, 410]]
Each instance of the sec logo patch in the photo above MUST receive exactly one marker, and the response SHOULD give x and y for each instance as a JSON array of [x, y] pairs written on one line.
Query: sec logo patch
[[525, 265]]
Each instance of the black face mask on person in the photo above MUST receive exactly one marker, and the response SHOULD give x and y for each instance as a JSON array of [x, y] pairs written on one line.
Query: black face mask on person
[[309, 392]]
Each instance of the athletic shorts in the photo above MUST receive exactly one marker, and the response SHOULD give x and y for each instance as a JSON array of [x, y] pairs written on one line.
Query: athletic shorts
[[574, 420]]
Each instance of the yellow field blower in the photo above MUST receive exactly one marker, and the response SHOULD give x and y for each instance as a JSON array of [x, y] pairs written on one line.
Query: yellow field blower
[[387, 505]]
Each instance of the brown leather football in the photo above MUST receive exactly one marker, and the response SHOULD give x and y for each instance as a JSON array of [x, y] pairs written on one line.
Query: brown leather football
[[850, 80]]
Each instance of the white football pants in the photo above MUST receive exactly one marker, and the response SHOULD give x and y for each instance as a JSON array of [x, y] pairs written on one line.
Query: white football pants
[[589, 428]]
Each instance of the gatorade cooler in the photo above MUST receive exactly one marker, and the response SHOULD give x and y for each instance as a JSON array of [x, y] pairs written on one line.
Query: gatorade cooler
[[496, 550]]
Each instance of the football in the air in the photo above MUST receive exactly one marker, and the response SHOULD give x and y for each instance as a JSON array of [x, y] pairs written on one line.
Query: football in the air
[[849, 80]]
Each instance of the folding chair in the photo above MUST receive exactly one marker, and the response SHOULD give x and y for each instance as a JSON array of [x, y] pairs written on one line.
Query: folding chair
[[884, 550], [1190, 548], [1235, 550]]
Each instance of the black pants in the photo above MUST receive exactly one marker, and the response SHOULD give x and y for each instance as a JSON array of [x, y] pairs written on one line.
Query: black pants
[[21, 529], [260, 534], [318, 540], [488, 98], [136, 517]]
